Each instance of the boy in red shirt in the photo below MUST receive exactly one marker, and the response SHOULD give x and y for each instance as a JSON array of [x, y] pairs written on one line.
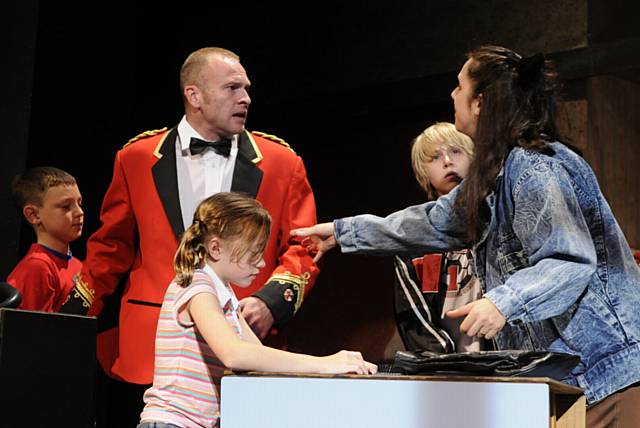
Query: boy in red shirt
[[50, 201]]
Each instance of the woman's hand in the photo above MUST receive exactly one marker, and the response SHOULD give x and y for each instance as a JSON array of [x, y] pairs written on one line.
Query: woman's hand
[[320, 238], [483, 318]]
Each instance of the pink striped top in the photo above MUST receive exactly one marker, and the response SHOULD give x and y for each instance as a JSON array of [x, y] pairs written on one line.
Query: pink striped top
[[186, 380]]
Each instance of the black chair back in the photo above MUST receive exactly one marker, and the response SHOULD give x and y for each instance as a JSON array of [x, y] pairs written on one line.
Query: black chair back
[[10, 297]]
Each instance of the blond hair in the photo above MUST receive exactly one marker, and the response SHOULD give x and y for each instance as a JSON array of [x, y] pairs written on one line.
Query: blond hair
[[230, 216], [425, 145], [190, 71]]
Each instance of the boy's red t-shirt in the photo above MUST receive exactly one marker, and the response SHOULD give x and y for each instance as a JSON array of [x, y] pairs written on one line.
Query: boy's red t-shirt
[[45, 278]]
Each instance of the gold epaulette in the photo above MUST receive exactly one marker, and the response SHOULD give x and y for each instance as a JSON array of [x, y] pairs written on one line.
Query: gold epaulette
[[273, 138], [146, 134]]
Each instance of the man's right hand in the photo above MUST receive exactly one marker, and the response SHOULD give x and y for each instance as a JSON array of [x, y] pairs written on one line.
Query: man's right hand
[[257, 314], [321, 238]]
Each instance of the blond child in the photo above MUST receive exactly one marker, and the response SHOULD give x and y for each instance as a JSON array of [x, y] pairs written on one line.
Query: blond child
[[50, 201], [201, 332], [429, 286]]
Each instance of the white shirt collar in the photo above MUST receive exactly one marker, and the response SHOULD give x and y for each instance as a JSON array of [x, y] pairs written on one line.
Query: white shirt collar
[[223, 291], [186, 132]]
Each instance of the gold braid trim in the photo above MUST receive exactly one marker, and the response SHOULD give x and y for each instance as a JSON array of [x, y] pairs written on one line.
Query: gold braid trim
[[82, 291], [273, 138], [145, 134], [298, 283]]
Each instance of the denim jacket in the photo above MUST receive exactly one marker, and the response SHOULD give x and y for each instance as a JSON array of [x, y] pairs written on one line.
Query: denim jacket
[[552, 258]]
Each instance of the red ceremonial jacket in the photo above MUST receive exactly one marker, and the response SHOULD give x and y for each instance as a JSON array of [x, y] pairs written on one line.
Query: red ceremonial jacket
[[141, 223]]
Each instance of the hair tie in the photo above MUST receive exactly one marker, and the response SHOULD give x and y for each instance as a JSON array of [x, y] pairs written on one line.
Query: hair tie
[[199, 226], [529, 70], [197, 256]]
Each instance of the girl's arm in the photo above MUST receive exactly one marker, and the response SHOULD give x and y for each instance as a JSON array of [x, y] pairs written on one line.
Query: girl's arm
[[239, 354], [247, 331]]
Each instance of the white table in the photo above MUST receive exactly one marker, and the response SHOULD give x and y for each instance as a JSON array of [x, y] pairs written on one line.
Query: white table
[[390, 401]]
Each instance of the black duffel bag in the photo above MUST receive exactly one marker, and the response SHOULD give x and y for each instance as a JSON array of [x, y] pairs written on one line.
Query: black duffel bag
[[510, 363]]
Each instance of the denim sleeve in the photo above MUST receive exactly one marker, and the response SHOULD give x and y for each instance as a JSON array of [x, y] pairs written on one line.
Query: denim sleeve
[[426, 228], [549, 223]]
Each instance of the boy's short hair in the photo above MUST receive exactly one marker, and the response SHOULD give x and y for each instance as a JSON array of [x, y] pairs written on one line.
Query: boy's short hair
[[30, 186], [424, 146]]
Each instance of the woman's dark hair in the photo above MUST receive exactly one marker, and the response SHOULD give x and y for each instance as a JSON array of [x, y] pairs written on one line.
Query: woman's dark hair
[[517, 108]]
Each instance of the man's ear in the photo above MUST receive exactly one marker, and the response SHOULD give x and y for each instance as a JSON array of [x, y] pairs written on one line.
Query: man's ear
[[32, 214], [193, 95], [214, 249]]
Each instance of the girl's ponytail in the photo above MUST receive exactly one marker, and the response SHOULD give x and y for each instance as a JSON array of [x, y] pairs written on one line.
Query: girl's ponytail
[[191, 253]]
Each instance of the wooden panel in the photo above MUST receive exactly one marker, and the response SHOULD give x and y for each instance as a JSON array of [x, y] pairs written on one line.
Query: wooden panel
[[572, 122], [613, 143], [568, 411]]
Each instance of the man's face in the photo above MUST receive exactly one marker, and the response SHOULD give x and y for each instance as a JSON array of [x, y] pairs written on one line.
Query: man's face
[[224, 98], [465, 103]]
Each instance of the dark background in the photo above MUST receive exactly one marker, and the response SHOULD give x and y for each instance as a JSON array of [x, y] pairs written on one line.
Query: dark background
[[346, 85]]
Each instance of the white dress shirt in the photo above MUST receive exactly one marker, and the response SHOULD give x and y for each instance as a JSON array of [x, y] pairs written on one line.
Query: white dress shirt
[[202, 175]]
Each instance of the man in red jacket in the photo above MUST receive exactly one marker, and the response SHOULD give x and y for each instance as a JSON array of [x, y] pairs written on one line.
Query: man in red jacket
[[158, 180]]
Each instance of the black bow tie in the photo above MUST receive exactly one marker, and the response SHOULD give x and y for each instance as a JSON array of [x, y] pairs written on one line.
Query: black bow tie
[[222, 147]]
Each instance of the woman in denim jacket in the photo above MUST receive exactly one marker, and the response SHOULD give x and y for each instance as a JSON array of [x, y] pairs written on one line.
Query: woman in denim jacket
[[557, 271]]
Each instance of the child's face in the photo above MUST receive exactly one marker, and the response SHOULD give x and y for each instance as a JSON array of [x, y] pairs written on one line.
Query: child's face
[[60, 218], [240, 272], [446, 168]]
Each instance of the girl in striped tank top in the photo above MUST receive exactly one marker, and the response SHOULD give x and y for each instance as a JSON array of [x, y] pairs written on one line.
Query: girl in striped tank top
[[201, 331]]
